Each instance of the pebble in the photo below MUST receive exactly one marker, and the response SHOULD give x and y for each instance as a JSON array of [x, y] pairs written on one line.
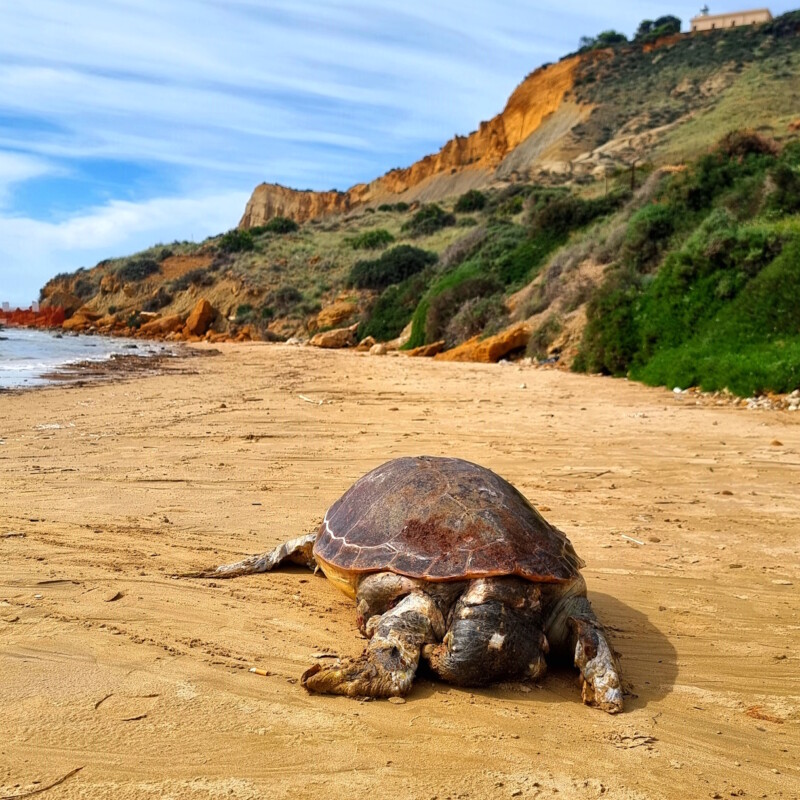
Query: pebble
[[523, 386], [782, 583], [398, 701]]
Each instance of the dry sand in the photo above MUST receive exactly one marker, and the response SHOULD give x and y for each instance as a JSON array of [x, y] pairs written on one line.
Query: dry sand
[[111, 665]]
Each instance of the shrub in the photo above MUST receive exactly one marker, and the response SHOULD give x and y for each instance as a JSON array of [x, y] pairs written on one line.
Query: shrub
[[473, 200], [371, 240], [236, 241], [445, 305], [137, 269], [280, 225], [648, 233], [786, 197], [84, 287], [393, 266], [428, 220], [611, 336], [478, 315], [393, 309]]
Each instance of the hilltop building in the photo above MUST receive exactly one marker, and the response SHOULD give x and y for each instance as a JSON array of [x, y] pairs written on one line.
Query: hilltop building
[[710, 22]]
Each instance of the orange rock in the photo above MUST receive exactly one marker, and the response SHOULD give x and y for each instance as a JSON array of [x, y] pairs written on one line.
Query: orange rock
[[200, 318], [365, 344], [427, 350], [336, 314], [162, 325], [341, 337], [794, 125], [76, 323], [492, 349], [89, 313]]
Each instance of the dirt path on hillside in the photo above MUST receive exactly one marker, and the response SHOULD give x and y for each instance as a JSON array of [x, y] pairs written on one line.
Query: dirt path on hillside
[[110, 665]]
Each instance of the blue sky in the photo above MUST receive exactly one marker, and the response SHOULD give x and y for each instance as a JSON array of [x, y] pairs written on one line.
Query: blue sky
[[129, 122]]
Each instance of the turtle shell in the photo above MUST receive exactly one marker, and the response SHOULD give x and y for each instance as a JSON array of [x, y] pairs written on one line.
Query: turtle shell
[[441, 519]]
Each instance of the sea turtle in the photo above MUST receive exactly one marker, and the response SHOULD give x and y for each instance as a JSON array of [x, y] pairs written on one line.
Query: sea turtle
[[448, 562]]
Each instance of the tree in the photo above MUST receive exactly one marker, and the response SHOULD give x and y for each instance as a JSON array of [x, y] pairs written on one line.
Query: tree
[[644, 29], [610, 38], [668, 25]]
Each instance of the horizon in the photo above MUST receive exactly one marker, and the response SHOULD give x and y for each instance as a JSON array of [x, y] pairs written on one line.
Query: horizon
[[123, 127]]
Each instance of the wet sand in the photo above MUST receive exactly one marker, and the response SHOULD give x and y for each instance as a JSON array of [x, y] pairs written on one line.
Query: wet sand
[[110, 665]]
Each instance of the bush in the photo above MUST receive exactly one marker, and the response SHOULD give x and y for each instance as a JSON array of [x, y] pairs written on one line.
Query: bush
[[137, 269], [428, 220], [473, 200], [393, 266], [280, 225], [236, 241], [393, 309], [611, 336], [371, 240], [445, 305], [647, 236], [85, 287], [479, 315]]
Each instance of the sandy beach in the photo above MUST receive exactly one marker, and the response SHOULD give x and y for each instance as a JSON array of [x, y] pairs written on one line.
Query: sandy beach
[[141, 682]]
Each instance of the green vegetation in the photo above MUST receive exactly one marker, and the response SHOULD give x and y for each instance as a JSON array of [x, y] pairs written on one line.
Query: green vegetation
[[428, 220], [473, 200], [278, 225], [236, 241], [721, 309], [137, 269], [394, 266], [652, 30], [375, 239]]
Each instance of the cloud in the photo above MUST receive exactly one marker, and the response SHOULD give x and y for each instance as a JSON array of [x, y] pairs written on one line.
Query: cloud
[[32, 251], [19, 167]]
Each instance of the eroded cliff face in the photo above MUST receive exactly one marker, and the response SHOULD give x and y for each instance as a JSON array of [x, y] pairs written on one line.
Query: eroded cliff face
[[539, 96]]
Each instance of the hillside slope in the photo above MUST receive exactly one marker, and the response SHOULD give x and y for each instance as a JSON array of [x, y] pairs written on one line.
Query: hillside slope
[[588, 115]]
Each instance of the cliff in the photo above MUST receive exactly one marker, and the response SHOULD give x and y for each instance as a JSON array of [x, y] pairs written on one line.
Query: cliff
[[464, 162]]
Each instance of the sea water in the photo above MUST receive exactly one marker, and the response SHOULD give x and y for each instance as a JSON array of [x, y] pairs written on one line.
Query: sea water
[[27, 355]]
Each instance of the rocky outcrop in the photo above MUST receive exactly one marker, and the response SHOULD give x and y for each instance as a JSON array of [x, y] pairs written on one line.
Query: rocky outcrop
[[490, 350], [535, 99], [427, 350], [63, 299], [336, 314], [341, 337], [199, 320], [162, 325]]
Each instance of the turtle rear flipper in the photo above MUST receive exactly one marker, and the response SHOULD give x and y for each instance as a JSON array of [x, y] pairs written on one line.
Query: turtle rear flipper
[[295, 551]]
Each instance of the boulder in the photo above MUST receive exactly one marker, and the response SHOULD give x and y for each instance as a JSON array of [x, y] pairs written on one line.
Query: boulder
[[378, 349], [200, 318], [366, 344], [427, 350], [341, 337], [76, 323], [489, 350], [336, 315], [162, 325], [89, 313]]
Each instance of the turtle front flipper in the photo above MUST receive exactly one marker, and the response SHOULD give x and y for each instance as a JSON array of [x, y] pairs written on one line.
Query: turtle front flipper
[[388, 665], [574, 629], [295, 551]]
